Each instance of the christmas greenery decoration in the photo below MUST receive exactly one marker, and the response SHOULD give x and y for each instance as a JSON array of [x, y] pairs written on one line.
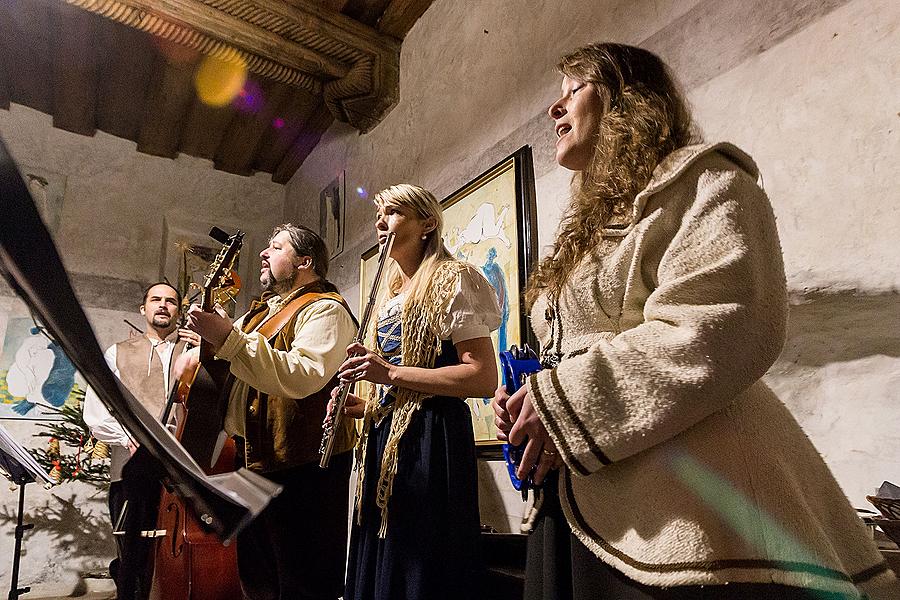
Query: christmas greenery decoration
[[72, 454]]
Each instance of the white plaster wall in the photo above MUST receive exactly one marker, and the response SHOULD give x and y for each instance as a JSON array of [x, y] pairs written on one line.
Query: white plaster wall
[[118, 201], [819, 113], [809, 88]]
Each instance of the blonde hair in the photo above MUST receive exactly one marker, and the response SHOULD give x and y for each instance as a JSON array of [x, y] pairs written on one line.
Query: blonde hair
[[645, 119], [426, 206], [431, 288]]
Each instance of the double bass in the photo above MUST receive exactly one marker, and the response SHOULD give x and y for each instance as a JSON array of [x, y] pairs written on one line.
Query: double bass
[[191, 562]]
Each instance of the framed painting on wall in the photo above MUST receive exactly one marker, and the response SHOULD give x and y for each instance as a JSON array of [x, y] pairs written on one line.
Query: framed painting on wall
[[489, 222], [36, 377]]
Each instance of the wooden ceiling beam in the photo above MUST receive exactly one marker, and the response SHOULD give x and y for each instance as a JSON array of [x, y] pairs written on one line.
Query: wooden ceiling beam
[[316, 126], [204, 129], [366, 11], [293, 116], [253, 119], [333, 5], [23, 25], [401, 15], [179, 19], [171, 94], [355, 67], [328, 24], [4, 70], [126, 71], [74, 70]]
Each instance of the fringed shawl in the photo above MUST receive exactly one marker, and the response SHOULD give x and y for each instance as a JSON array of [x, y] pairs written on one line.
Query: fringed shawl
[[420, 347]]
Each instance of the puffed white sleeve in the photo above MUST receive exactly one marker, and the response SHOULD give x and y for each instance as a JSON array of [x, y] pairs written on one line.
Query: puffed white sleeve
[[473, 311], [102, 424]]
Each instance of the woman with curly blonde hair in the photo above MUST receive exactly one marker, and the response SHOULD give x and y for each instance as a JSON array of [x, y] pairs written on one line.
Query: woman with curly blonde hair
[[673, 469], [416, 527]]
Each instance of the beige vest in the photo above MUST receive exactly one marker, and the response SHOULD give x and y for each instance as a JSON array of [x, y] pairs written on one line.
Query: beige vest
[[141, 370]]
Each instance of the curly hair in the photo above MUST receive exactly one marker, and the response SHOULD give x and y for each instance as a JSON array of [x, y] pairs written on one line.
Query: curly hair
[[645, 119]]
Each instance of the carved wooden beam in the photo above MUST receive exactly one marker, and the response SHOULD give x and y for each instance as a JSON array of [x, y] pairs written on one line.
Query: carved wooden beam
[[353, 67]]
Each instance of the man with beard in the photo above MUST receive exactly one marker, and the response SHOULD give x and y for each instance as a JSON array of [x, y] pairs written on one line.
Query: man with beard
[[284, 353], [144, 363]]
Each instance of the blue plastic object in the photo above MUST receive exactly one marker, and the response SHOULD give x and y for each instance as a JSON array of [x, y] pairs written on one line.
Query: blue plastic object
[[516, 364]]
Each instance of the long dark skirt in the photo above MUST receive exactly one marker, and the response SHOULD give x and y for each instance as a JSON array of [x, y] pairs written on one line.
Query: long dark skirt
[[560, 567], [430, 551]]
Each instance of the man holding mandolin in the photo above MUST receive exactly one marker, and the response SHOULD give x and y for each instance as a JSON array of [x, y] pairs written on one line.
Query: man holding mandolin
[[283, 355]]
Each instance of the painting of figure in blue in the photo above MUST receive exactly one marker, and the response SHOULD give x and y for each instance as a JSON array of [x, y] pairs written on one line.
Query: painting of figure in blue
[[34, 373], [495, 276]]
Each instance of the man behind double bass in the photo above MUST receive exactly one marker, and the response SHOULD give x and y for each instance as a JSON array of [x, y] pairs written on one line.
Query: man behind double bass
[[144, 364], [283, 354]]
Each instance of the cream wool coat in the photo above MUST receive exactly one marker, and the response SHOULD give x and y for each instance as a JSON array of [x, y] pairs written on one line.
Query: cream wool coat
[[681, 466]]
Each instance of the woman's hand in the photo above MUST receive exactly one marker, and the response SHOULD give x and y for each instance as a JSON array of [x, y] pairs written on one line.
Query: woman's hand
[[540, 451], [502, 420], [364, 365], [213, 327], [354, 406]]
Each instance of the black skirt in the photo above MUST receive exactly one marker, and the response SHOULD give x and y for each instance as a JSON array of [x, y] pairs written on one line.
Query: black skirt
[[430, 551]]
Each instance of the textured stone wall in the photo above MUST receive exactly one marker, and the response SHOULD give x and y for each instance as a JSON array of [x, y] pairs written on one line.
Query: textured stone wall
[[808, 88]]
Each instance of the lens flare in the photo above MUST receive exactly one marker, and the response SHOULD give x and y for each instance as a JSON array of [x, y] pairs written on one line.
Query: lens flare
[[361, 192], [741, 515], [218, 82], [250, 99]]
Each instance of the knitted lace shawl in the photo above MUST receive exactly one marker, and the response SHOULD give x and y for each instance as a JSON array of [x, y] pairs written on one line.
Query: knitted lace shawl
[[420, 347]]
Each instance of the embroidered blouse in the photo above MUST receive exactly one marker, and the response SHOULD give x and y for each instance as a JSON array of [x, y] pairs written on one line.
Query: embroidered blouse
[[472, 313]]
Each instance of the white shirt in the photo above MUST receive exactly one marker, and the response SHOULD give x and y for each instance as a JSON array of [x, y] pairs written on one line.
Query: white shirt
[[102, 424]]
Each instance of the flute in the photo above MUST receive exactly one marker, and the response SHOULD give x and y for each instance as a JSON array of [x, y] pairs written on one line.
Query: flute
[[332, 421]]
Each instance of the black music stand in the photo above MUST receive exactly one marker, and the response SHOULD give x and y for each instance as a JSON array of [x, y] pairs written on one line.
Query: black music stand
[[17, 465]]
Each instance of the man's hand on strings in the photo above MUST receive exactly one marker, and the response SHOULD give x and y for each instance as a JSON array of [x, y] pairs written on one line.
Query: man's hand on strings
[[188, 336], [186, 362], [213, 327]]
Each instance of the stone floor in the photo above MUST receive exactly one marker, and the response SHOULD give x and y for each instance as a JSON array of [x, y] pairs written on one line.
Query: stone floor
[[85, 589]]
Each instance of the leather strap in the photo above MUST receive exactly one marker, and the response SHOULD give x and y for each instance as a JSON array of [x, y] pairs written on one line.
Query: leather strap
[[276, 323]]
